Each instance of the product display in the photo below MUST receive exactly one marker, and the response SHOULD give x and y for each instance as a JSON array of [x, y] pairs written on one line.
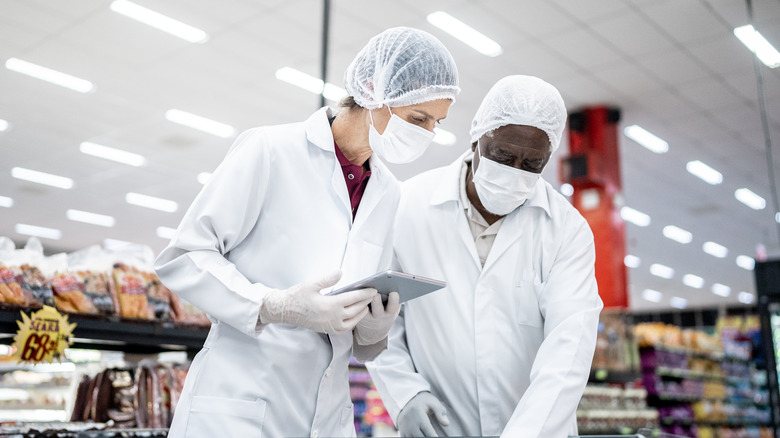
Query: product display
[[702, 383]]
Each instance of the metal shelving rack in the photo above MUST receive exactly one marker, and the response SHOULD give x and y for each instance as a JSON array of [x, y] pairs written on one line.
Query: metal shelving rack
[[118, 334]]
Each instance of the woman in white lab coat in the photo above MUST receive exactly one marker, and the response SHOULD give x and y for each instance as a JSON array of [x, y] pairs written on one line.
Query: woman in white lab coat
[[292, 210]]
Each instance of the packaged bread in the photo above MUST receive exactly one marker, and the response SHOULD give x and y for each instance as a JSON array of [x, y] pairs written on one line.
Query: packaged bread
[[36, 286], [21, 281], [159, 296], [10, 286], [131, 290], [69, 294], [184, 312]]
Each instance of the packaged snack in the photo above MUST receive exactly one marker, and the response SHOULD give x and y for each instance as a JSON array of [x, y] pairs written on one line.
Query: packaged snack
[[35, 286], [131, 287], [21, 281], [159, 296], [69, 294], [10, 286], [184, 312]]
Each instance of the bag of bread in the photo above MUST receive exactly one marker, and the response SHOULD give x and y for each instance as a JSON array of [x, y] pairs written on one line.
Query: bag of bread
[[184, 312], [21, 281], [131, 290], [91, 267], [159, 297], [69, 294]]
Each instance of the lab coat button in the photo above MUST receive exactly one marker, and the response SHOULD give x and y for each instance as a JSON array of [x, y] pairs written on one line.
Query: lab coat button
[[327, 373], [315, 434]]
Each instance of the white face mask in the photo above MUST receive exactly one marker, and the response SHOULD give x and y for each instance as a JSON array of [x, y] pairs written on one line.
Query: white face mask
[[402, 142], [502, 188]]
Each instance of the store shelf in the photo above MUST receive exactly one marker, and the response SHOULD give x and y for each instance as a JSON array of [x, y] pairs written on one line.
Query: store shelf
[[118, 334], [608, 376]]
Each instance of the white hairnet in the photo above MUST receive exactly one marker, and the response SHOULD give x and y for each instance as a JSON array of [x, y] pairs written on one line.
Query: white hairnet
[[401, 66], [521, 100]]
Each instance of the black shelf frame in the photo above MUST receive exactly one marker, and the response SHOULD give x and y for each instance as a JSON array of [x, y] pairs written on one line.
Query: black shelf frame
[[118, 334]]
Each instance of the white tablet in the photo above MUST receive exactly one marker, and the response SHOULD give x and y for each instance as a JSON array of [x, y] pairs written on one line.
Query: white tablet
[[408, 286]]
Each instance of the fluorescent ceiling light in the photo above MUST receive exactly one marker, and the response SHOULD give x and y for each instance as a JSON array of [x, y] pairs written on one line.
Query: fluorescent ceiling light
[[631, 261], [166, 232], [32, 230], [777, 217], [444, 137], [750, 199], [636, 217], [693, 281], [714, 249], [678, 234], [310, 83], [465, 33], [48, 179], [652, 295], [678, 303], [746, 262], [6, 202], [721, 290], [662, 271], [756, 43], [49, 75], [646, 139], [4, 125], [159, 21], [151, 202], [705, 172], [109, 153], [90, 218], [200, 123], [746, 297], [333, 92], [567, 189], [203, 177]]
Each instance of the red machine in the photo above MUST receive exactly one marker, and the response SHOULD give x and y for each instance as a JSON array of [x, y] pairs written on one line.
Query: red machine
[[593, 170]]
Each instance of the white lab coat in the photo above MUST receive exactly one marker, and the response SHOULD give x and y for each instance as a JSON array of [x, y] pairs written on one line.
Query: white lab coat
[[508, 347], [275, 213]]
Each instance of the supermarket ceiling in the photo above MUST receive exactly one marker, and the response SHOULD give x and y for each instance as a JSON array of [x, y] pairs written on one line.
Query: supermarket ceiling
[[673, 67]]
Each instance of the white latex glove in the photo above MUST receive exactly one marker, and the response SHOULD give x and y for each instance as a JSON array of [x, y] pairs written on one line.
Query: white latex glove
[[303, 306], [418, 416], [379, 319]]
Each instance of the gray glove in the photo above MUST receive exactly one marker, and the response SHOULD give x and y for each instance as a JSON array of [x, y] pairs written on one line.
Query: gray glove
[[422, 416], [303, 306]]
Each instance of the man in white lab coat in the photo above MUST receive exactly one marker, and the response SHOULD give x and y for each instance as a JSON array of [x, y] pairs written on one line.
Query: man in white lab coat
[[506, 348], [288, 204]]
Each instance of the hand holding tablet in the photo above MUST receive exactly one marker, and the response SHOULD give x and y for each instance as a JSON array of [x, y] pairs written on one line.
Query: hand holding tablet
[[408, 286]]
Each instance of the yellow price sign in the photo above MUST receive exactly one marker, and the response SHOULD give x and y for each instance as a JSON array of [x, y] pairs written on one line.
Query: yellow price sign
[[43, 336]]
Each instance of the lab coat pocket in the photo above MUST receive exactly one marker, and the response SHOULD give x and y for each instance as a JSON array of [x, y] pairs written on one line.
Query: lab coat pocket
[[370, 256], [219, 416], [348, 420], [528, 286]]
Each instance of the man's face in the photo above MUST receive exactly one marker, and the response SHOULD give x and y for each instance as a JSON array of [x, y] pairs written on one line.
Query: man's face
[[519, 146]]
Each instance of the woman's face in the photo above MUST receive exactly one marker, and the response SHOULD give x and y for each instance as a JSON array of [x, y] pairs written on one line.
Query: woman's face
[[425, 115]]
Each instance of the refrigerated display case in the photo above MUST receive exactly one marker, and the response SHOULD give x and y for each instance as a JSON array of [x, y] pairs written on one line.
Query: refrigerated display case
[[767, 275]]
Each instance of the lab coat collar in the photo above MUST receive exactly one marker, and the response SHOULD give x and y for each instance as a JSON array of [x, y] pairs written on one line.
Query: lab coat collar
[[319, 133], [447, 191], [318, 130]]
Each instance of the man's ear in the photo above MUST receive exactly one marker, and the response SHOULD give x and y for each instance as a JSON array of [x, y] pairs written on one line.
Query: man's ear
[[474, 147]]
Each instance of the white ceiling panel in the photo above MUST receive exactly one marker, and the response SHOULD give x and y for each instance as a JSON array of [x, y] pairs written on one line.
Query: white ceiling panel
[[632, 35], [536, 18], [672, 67], [686, 21]]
